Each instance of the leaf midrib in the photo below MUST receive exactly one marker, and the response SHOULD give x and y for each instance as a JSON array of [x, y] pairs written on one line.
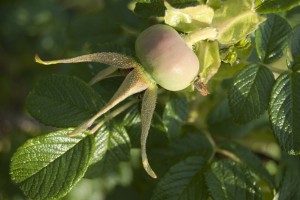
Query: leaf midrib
[[51, 161]]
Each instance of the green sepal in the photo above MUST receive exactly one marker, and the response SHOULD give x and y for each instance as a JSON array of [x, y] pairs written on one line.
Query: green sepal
[[209, 58]]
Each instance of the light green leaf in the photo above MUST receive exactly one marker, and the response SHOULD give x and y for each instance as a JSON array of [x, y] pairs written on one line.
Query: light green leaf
[[274, 6], [284, 111], [112, 145], [229, 180], [48, 166], [190, 18], [148, 8], [143, 1], [62, 101], [250, 160], [183, 181], [209, 58], [271, 38], [229, 55], [250, 93], [227, 71], [175, 115], [234, 21]]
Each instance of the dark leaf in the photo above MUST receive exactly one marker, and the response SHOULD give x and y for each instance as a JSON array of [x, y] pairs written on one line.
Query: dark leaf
[[184, 181], [112, 145], [289, 185], [220, 122], [274, 6], [272, 37], [62, 101], [175, 115], [284, 111], [250, 160], [229, 180], [250, 93]]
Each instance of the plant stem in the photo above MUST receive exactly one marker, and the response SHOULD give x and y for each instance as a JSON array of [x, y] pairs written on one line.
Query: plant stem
[[216, 149], [112, 114], [228, 154], [212, 142], [274, 69]]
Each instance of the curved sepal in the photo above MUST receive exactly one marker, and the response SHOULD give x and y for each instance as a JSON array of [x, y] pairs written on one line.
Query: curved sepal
[[133, 83], [109, 58], [148, 107]]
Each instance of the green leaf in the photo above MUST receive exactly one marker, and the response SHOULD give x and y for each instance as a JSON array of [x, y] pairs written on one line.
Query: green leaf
[[209, 58], [250, 160], [143, 1], [184, 180], [234, 21], [148, 8], [220, 122], [62, 101], [151, 8], [271, 38], [284, 111], [229, 180], [175, 115], [190, 18], [112, 145], [250, 93], [132, 122], [295, 48], [227, 71], [295, 44], [289, 185], [274, 6], [48, 166], [191, 144]]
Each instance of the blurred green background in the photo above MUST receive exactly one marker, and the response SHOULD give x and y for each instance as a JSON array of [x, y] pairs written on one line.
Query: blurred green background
[[54, 29], [59, 29]]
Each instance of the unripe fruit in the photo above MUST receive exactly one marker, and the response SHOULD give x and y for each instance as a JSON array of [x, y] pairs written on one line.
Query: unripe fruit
[[166, 57]]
